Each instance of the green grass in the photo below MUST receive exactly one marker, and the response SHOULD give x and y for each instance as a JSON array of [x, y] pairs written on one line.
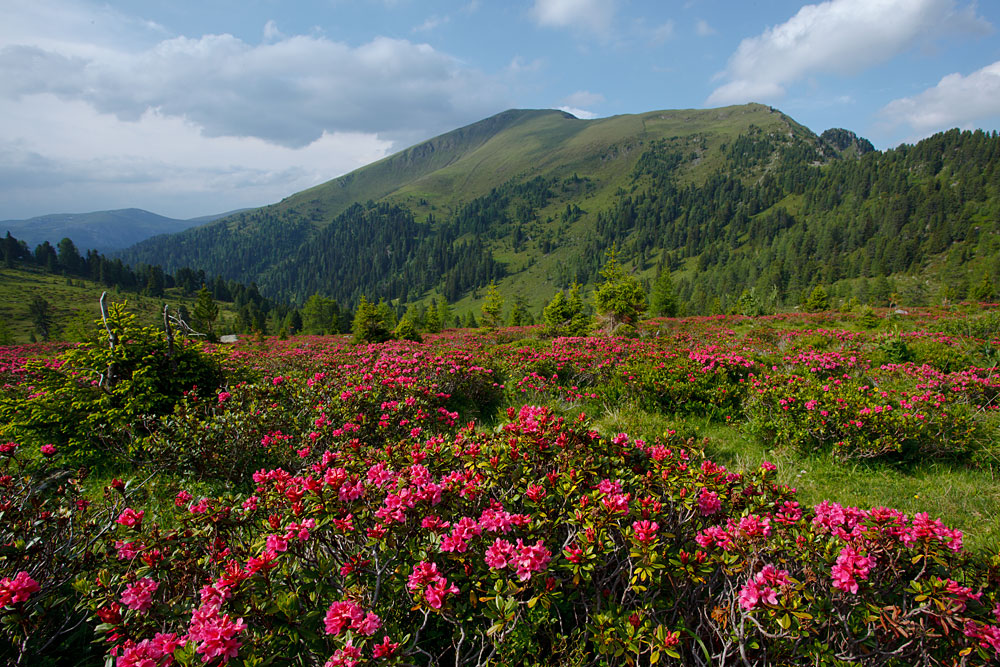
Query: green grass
[[75, 303], [962, 497]]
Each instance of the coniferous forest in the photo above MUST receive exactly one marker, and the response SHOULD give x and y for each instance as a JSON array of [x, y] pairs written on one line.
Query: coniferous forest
[[772, 208]]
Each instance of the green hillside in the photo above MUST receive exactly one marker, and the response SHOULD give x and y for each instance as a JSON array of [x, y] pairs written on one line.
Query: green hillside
[[729, 200], [74, 304]]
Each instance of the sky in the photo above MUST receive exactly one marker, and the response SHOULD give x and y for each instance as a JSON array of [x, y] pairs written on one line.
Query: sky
[[189, 108]]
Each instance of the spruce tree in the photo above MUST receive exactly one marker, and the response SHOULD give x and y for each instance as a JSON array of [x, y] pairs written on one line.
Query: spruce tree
[[206, 312], [663, 300], [444, 313], [369, 324], [433, 318], [620, 299], [492, 308]]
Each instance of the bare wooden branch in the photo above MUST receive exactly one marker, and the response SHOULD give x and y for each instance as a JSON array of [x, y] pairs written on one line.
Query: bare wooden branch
[[170, 337], [109, 378]]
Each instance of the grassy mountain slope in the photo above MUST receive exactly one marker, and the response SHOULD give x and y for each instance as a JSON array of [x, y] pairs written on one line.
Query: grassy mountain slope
[[75, 303], [438, 177], [728, 199]]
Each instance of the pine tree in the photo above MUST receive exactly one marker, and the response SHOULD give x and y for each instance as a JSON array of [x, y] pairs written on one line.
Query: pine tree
[[206, 312], [406, 330], [386, 314], [41, 316], [984, 291], [294, 322], [620, 299], [663, 300], [444, 312], [519, 312], [433, 318], [555, 315], [492, 308], [818, 300], [369, 325], [320, 315]]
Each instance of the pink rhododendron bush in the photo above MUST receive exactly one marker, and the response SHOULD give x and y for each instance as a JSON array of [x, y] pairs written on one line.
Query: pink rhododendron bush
[[536, 541], [335, 504]]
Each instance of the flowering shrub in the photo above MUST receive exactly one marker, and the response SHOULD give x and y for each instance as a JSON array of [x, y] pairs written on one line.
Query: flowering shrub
[[369, 518], [100, 391], [861, 420], [48, 528], [483, 545]]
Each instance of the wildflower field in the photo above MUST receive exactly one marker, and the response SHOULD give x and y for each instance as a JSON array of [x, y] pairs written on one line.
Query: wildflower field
[[505, 498]]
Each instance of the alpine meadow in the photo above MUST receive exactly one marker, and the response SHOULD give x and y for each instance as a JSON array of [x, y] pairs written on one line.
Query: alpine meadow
[[573, 384], [690, 387]]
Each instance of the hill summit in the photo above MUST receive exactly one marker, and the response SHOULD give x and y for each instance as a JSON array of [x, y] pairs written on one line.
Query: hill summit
[[728, 200]]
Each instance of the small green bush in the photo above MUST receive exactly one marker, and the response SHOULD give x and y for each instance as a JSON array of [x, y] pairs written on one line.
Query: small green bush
[[108, 391]]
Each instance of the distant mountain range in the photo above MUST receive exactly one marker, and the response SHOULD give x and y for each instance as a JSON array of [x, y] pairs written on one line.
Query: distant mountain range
[[735, 200], [104, 231]]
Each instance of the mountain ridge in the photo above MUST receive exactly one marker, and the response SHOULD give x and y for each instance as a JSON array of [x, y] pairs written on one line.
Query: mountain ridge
[[104, 231], [729, 199]]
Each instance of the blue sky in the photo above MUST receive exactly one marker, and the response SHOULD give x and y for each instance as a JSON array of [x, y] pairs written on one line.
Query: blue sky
[[187, 108]]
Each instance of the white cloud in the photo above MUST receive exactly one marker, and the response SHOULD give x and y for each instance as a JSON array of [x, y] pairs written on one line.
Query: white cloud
[[703, 29], [837, 36], [579, 113], [956, 101], [662, 32], [96, 100], [271, 32], [431, 23], [593, 16], [85, 160], [583, 98], [288, 91], [518, 64]]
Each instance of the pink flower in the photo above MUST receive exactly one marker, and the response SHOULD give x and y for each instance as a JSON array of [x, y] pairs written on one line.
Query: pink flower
[[499, 554], [18, 589], [714, 536], [139, 596], [215, 634], [423, 573], [531, 558], [434, 594], [535, 492], [645, 531], [149, 652], [182, 499], [224, 396], [708, 502], [48, 450], [573, 554], [763, 587], [987, 635], [130, 518], [385, 649], [276, 544], [850, 564], [348, 656], [340, 615], [755, 526], [127, 550]]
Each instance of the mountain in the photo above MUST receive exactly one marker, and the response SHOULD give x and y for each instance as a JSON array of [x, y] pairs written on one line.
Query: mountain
[[846, 142], [101, 230], [735, 199]]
